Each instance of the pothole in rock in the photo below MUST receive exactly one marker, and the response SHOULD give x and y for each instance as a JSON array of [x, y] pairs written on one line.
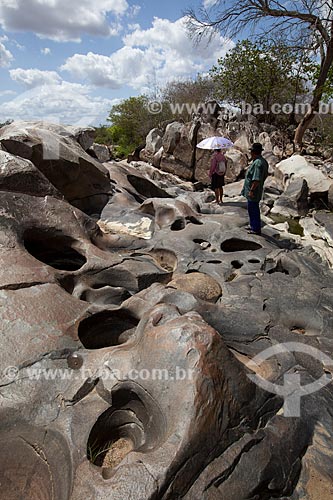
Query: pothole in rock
[[165, 258], [194, 220], [133, 423], [238, 245], [107, 329], [203, 243], [102, 294], [298, 329], [283, 267], [178, 225], [236, 264], [55, 250], [254, 261], [214, 261]]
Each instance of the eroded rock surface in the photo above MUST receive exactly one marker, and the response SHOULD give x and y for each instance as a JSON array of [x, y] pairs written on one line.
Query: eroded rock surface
[[128, 338]]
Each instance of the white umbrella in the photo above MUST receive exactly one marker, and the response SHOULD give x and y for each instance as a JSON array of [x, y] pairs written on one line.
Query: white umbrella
[[215, 143]]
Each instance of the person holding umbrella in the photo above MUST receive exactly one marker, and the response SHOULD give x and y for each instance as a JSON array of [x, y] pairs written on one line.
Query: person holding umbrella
[[218, 167], [254, 185]]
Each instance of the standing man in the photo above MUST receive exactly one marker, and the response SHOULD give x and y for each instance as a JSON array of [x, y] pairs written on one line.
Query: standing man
[[253, 186]]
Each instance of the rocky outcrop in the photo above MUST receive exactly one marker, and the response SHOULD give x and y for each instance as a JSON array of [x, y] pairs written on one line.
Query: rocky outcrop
[[298, 167], [101, 152], [55, 152], [153, 145], [174, 149], [21, 176], [294, 201], [160, 352]]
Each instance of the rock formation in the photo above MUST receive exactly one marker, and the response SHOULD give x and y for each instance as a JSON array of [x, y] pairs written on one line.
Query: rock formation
[[174, 148], [133, 317]]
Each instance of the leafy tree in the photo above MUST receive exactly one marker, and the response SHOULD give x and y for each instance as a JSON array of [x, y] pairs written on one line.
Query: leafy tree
[[302, 23], [191, 91], [104, 135], [261, 73], [132, 119]]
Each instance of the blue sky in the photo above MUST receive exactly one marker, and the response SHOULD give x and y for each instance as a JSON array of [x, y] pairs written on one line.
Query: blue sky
[[68, 61]]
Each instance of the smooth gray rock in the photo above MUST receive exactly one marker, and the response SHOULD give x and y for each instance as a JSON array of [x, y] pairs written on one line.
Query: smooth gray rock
[[294, 201]]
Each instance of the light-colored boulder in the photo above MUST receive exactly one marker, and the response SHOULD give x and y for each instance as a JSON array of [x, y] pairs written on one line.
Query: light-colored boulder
[[243, 142], [101, 152], [172, 136], [153, 146], [294, 201], [83, 135], [157, 157], [265, 140], [237, 163], [318, 233], [153, 141], [170, 164], [330, 196], [184, 147], [298, 167]]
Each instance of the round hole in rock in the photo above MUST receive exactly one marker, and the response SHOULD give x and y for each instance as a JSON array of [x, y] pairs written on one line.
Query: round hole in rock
[[254, 261], [55, 250], [194, 220], [177, 225], [236, 264], [283, 266], [133, 422], [298, 329], [107, 329], [165, 258], [238, 245], [203, 243], [105, 295]]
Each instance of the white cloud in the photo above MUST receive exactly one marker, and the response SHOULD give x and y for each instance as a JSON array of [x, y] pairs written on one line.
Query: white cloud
[[61, 20], [5, 56], [132, 27], [46, 51], [34, 77], [7, 92], [161, 53], [66, 103], [134, 10], [209, 3]]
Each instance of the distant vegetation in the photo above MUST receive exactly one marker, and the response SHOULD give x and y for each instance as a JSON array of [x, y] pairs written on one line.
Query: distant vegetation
[[305, 26], [263, 72], [131, 120]]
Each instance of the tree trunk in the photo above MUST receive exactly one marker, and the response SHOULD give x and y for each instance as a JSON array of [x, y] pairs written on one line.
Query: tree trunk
[[317, 95], [303, 125]]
